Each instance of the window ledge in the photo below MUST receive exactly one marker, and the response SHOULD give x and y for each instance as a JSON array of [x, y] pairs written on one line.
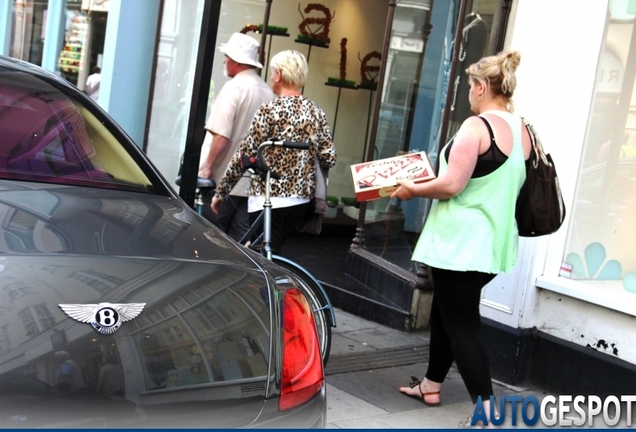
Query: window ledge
[[608, 294]]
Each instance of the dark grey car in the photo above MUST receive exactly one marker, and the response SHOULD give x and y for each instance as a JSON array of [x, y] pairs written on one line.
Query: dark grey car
[[119, 305]]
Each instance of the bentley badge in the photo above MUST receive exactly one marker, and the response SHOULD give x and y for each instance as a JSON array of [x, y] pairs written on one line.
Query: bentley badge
[[104, 317]]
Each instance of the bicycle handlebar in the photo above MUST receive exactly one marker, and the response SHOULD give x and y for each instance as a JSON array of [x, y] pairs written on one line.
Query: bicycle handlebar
[[296, 145], [285, 144], [260, 161]]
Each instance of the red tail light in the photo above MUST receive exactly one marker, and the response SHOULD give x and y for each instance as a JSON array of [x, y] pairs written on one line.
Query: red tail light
[[302, 364]]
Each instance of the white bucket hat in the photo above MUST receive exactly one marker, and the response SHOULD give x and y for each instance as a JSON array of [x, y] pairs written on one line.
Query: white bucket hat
[[242, 49]]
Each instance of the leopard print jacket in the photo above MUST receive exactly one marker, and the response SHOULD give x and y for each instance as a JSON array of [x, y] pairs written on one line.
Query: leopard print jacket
[[290, 118]]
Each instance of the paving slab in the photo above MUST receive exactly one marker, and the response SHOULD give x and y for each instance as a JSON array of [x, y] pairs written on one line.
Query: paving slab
[[379, 387], [343, 408], [354, 334], [414, 419]]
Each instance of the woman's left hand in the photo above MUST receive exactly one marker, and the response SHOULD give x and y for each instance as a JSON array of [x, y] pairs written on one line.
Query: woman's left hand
[[404, 191]]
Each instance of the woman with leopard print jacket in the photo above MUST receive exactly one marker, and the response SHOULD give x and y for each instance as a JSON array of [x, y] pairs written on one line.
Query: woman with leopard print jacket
[[290, 117]]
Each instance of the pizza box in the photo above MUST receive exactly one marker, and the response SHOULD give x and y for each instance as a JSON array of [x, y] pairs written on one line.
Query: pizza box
[[377, 179]]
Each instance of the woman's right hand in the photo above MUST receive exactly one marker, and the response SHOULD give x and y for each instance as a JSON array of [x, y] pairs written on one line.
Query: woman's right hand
[[215, 205]]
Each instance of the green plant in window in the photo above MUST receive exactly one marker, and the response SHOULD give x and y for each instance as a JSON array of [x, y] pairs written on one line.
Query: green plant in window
[[350, 201], [341, 83]]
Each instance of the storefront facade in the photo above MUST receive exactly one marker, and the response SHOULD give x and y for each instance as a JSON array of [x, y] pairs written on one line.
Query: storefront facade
[[571, 298], [84, 24], [571, 292]]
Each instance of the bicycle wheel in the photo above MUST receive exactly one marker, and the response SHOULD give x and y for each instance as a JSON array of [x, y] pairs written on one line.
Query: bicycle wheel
[[319, 306]]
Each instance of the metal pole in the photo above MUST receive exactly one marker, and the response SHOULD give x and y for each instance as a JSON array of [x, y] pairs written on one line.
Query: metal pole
[[366, 132], [499, 25], [359, 238], [261, 54], [267, 224], [269, 51], [335, 116], [199, 104], [453, 72]]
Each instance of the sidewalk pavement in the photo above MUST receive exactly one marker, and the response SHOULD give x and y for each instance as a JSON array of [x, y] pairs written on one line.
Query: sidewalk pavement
[[367, 364]]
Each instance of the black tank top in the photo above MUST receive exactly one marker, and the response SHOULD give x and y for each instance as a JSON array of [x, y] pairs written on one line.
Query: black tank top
[[488, 162]]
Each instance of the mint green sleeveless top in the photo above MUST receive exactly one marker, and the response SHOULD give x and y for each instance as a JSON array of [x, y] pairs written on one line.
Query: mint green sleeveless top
[[476, 230]]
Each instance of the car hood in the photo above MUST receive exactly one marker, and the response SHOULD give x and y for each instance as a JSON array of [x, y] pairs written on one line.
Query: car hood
[[193, 345]]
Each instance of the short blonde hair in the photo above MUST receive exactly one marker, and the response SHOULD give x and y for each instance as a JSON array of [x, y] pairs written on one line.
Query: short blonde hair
[[292, 66], [498, 72]]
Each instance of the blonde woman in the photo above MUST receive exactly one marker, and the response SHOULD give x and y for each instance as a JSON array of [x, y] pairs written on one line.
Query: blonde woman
[[290, 117], [471, 235]]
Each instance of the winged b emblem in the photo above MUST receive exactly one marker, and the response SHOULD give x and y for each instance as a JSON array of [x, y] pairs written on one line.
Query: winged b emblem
[[104, 317]]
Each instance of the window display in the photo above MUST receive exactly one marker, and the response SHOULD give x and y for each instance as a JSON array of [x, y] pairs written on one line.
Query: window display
[[71, 57], [599, 250]]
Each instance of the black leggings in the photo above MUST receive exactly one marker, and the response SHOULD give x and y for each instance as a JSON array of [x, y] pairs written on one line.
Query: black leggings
[[455, 330]]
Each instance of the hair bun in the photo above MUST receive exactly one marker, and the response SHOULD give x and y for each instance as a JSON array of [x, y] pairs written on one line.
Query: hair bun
[[510, 59]]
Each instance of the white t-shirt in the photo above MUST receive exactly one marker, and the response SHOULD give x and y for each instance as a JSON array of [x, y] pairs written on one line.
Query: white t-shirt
[[255, 203], [231, 115], [92, 86]]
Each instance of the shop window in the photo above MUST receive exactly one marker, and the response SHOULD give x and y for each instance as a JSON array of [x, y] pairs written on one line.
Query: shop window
[[28, 30], [36, 319], [599, 248], [176, 60], [17, 290], [5, 340], [70, 61], [413, 94], [84, 32], [414, 97], [100, 282]]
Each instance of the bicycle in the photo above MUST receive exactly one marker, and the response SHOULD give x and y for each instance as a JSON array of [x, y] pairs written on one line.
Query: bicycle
[[317, 297], [324, 315]]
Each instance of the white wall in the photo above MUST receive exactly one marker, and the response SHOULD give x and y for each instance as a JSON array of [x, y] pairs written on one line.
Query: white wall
[[560, 44], [586, 324]]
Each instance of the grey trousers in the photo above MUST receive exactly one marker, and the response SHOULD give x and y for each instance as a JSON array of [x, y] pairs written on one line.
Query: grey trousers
[[232, 218]]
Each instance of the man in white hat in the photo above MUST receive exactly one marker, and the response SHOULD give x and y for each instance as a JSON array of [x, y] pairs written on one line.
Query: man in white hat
[[230, 118]]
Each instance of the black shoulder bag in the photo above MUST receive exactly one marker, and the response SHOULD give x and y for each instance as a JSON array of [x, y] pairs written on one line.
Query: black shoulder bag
[[540, 208]]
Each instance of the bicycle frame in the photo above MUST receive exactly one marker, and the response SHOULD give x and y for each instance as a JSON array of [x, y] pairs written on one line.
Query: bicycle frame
[[266, 218], [316, 295], [267, 212], [262, 167], [202, 185]]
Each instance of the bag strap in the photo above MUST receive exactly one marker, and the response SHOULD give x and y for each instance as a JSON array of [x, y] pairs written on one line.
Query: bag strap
[[321, 180], [536, 144]]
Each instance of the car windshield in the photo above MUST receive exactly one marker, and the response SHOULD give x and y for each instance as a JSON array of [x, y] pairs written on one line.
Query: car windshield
[[47, 136]]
